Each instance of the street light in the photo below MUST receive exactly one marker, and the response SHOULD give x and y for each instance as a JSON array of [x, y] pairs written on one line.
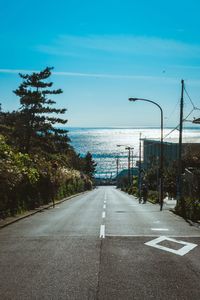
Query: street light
[[161, 145], [129, 160]]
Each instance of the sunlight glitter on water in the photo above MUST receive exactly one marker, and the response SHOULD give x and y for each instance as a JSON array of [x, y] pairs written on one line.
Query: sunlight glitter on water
[[102, 143]]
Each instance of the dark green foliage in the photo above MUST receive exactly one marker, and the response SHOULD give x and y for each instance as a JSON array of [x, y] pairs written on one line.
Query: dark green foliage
[[37, 118], [89, 165], [37, 164], [153, 196]]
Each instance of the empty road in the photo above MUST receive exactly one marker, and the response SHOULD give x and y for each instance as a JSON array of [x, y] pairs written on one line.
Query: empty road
[[100, 245]]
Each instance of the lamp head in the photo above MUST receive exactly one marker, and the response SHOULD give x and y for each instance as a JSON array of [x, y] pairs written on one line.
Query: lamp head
[[133, 99]]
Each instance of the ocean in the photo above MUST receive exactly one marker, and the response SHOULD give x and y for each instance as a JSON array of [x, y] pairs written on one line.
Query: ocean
[[102, 143]]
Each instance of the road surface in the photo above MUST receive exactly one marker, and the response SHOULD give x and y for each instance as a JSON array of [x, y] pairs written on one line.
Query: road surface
[[100, 245]]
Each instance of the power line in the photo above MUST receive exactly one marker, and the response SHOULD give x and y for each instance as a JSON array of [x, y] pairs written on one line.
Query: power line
[[189, 97]]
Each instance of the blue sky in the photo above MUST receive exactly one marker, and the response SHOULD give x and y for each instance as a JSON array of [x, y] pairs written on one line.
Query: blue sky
[[104, 52]]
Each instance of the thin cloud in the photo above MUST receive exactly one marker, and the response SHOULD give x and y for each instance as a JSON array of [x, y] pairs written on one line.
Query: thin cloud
[[92, 75], [67, 45], [164, 79]]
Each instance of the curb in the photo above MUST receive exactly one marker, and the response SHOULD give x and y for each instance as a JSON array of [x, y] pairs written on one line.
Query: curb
[[37, 210]]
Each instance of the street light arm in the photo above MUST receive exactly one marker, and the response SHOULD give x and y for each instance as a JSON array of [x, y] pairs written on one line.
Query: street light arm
[[146, 100]]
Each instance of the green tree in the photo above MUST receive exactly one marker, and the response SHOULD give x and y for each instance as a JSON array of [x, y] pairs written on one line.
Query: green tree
[[38, 115], [89, 165]]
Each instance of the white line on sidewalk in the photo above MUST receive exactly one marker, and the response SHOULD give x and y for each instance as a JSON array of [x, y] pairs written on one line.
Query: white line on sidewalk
[[102, 231], [103, 214]]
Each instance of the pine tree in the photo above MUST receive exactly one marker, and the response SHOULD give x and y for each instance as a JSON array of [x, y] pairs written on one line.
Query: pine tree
[[37, 115], [89, 165]]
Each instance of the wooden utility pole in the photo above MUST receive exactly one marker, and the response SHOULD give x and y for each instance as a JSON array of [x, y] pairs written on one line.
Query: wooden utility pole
[[139, 170], [180, 165]]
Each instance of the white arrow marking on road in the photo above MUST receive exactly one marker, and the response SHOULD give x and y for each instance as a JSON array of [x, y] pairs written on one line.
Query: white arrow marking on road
[[184, 250], [102, 231]]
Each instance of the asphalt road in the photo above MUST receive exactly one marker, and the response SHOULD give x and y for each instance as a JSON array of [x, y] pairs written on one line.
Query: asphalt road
[[94, 247]]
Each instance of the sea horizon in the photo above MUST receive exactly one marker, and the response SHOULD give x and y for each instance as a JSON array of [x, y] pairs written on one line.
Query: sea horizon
[[102, 143]]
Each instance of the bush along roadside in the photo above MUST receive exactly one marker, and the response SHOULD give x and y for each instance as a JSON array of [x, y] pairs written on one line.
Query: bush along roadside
[[27, 182], [37, 163], [189, 209]]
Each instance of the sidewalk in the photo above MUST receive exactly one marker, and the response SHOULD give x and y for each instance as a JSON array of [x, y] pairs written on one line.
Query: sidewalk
[[10, 220]]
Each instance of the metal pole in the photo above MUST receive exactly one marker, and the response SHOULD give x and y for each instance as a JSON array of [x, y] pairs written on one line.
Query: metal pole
[[117, 161], [161, 145]]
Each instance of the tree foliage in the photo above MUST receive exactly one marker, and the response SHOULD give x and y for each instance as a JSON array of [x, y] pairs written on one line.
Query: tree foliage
[[89, 165], [37, 162], [38, 115]]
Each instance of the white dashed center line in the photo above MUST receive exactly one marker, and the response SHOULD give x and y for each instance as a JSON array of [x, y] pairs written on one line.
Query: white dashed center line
[[103, 214], [102, 231], [102, 227]]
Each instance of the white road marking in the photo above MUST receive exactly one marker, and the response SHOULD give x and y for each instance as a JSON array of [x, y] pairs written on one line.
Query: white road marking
[[156, 222], [104, 202], [150, 235], [104, 207], [102, 231], [105, 197], [184, 250], [103, 214], [160, 229]]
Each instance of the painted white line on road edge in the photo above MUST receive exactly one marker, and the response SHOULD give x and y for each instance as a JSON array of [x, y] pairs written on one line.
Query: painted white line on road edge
[[150, 235], [103, 214], [184, 250], [160, 229], [102, 231]]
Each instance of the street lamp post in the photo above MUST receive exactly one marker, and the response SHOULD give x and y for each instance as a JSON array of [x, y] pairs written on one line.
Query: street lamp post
[[129, 161], [161, 145]]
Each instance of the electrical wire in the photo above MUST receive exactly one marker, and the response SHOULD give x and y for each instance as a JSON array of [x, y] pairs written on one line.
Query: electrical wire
[[189, 97]]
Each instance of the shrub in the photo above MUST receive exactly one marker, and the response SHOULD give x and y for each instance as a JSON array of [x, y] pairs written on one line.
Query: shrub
[[153, 196]]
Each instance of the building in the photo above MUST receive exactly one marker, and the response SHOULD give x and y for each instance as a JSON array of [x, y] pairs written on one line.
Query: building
[[151, 151]]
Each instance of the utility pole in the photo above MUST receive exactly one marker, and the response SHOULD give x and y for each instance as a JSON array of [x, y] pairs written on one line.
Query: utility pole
[[129, 165], [139, 169], [180, 166], [117, 162]]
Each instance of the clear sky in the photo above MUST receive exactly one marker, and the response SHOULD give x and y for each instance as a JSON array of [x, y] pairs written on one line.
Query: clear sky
[[104, 52]]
